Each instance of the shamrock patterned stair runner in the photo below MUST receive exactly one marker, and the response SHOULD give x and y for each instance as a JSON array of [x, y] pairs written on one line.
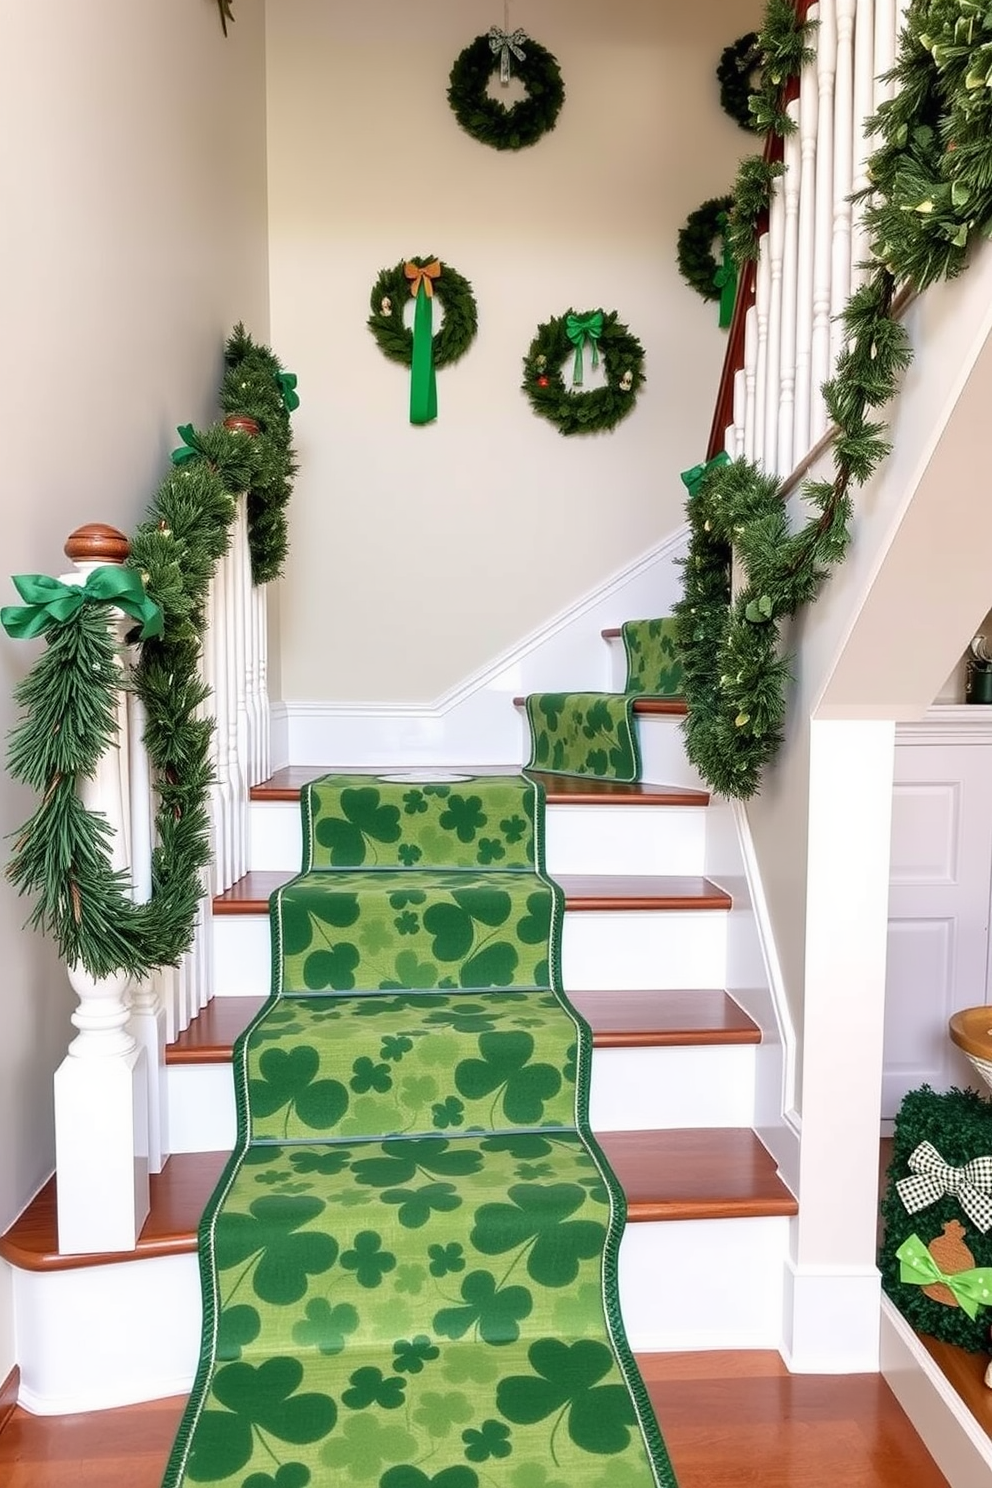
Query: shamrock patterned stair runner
[[593, 733], [409, 1265]]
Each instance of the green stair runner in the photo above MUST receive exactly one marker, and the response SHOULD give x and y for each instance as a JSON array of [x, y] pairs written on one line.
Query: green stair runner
[[409, 1266], [593, 733]]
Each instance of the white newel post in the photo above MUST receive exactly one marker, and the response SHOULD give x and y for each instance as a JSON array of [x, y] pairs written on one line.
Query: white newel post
[[101, 1087]]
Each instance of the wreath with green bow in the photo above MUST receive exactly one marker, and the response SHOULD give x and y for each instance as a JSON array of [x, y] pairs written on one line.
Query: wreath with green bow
[[735, 71], [420, 348], [570, 335], [487, 119], [714, 280]]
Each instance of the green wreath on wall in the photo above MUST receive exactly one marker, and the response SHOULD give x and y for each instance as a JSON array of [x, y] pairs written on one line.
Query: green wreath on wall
[[570, 335], [453, 293], [712, 278], [738, 63], [487, 119]]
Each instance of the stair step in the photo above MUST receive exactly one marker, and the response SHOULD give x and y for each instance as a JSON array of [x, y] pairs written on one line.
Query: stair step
[[646, 706], [619, 1020], [560, 790], [671, 1175], [583, 892]]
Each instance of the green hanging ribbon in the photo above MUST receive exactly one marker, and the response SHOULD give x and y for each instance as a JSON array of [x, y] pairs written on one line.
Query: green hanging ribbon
[[423, 377], [287, 386], [725, 277], [693, 479], [917, 1267], [50, 602], [579, 329], [189, 448]]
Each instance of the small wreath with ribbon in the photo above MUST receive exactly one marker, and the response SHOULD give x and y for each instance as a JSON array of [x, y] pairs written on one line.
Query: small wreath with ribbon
[[735, 73], [697, 263], [485, 118], [578, 412], [426, 279]]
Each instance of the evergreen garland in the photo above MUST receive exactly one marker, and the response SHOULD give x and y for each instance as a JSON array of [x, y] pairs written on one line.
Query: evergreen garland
[[737, 65], [69, 698], [577, 412], [929, 199], [487, 119]]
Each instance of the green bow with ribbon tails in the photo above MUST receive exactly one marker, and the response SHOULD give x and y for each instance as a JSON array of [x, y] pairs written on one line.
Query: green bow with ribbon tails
[[693, 479], [49, 602], [423, 378], [190, 446], [725, 277], [917, 1267], [287, 386], [579, 329]]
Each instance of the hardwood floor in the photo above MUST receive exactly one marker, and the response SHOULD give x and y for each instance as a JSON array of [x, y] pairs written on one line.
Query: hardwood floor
[[731, 1420]]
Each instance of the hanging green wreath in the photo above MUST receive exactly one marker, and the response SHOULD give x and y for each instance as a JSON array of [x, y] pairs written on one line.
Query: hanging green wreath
[[735, 73], [568, 336], [392, 290], [487, 119], [712, 278]]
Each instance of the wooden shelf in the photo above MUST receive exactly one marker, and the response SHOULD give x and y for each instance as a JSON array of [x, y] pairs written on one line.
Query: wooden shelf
[[251, 894]]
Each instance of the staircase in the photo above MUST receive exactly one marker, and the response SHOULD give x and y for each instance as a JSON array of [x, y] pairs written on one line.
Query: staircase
[[650, 945]]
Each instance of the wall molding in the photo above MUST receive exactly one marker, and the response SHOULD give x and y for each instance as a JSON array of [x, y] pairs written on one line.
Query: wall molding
[[9, 1391], [474, 722], [950, 723]]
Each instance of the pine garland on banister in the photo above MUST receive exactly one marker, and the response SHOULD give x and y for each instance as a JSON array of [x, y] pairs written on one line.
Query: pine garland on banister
[[929, 200], [69, 698]]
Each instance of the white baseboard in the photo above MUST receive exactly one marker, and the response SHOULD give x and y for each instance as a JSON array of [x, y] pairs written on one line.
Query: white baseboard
[[949, 1431], [475, 721], [831, 1319]]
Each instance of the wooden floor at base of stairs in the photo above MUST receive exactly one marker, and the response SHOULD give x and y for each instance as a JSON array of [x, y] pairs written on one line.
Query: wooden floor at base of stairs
[[619, 1020], [559, 790], [730, 1420], [708, 1173], [583, 892]]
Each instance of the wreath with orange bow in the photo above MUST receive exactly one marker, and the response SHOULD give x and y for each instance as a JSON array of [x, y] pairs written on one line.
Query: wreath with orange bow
[[396, 286]]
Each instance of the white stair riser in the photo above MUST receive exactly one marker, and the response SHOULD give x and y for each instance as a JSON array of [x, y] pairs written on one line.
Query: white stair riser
[[580, 839], [632, 1090], [663, 756], [103, 1336], [622, 949]]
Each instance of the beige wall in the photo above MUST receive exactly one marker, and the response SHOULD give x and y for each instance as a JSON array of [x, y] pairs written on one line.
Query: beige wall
[[133, 235], [420, 553]]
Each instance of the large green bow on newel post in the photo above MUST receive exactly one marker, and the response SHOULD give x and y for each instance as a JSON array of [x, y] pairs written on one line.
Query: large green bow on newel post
[[49, 602]]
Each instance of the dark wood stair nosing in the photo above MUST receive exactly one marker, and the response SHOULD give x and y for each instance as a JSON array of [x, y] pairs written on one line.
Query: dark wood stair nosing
[[747, 1187], [564, 790], [644, 703]]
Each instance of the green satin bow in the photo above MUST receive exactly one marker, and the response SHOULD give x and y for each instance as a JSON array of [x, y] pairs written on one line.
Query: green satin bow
[[189, 447], [917, 1267], [693, 479], [50, 602], [287, 386], [725, 278], [579, 329]]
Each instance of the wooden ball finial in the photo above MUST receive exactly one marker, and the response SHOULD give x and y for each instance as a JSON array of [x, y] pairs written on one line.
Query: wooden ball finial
[[240, 423], [97, 543]]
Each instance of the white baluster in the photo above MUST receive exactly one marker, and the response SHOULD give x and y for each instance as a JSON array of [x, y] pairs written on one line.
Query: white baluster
[[260, 601], [101, 1099], [234, 657], [239, 616], [884, 48], [252, 700], [750, 380], [790, 272], [820, 365], [808, 115], [864, 99], [221, 790], [736, 450], [845, 131], [775, 248], [762, 299]]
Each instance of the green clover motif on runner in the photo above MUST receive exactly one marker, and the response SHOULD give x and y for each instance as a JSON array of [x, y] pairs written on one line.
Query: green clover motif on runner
[[410, 1264], [594, 733]]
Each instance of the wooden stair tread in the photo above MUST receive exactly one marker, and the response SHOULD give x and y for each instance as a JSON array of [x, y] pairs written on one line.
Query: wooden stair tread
[[560, 790], [965, 1372], [670, 707], [712, 1174], [251, 894], [619, 1020]]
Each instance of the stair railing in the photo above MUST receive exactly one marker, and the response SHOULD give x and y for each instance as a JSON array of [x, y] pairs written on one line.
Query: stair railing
[[786, 336]]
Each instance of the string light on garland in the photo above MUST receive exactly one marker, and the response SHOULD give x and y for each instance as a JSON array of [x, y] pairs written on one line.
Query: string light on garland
[[422, 349], [519, 56], [574, 410]]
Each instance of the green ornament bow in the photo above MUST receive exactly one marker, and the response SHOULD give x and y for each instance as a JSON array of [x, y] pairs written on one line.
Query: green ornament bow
[[917, 1267], [50, 602], [505, 42], [931, 1178], [189, 448], [725, 278], [579, 329], [287, 386], [693, 479]]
